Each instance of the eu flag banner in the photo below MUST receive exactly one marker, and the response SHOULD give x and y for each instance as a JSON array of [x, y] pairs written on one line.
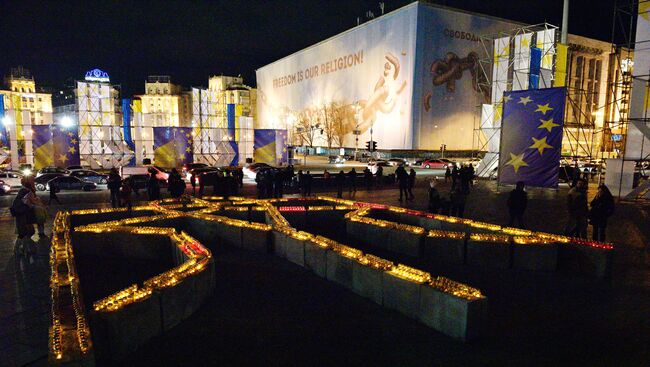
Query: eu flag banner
[[531, 136], [172, 146], [65, 144]]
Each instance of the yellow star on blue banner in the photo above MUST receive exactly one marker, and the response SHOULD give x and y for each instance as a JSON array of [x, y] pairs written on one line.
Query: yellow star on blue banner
[[540, 145], [543, 108], [517, 161]]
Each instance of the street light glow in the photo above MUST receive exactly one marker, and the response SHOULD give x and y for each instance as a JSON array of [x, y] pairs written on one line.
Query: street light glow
[[6, 121], [66, 122]]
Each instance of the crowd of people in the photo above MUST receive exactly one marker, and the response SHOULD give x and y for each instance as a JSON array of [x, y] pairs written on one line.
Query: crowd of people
[[28, 209]]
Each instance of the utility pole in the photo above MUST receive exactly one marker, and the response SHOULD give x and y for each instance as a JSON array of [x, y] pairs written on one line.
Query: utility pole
[[565, 22]]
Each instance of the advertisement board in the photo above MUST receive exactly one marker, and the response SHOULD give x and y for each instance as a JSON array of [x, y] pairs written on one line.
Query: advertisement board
[[449, 86], [365, 75]]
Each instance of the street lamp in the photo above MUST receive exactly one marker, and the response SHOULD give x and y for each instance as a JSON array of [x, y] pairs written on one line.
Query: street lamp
[[66, 122], [6, 121]]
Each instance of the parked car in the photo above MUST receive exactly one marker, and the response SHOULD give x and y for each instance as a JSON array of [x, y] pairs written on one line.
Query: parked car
[[190, 166], [160, 173], [11, 178], [90, 176], [71, 183], [138, 181], [336, 159], [436, 164], [70, 168], [373, 166], [251, 170], [397, 161], [200, 170], [52, 169], [41, 181], [4, 188]]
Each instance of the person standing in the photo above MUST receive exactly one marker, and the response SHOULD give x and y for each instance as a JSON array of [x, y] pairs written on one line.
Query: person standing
[[193, 182], [278, 184], [114, 185], [578, 210], [455, 175], [447, 174], [340, 181], [308, 178], [125, 195], [53, 190], [175, 184], [22, 210], [301, 183], [602, 207], [153, 187], [411, 183], [403, 181], [380, 176], [367, 178], [259, 179], [352, 181], [458, 198], [517, 202], [434, 197]]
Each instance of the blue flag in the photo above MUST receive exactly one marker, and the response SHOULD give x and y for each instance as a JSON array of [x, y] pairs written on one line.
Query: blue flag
[[531, 136]]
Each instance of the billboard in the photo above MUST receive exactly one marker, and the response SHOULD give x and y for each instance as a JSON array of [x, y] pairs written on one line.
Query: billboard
[[367, 73], [411, 76], [449, 85]]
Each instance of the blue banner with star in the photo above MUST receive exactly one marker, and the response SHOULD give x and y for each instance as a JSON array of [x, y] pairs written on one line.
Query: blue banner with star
[[531, 137], [172, 146], [65, 146]]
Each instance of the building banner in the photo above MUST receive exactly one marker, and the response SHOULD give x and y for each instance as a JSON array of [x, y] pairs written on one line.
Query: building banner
[[637, 142], [531, 137], [521, 61], [43, 147], [4, 137], [535, 63], [172, 146], [500, 68], [270, 146], [65, 146]]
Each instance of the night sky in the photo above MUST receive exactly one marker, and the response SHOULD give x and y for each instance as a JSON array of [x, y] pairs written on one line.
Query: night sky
[[60, 40]]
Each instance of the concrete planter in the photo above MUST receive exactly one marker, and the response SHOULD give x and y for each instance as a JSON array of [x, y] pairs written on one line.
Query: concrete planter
[[405, 242], [535, 257], [229, 235], [401, 295], [356, 230], [585, 260], [294, 250], [339, 269], [454, 316], [488, 254], [256, 240], [118, 333], [279, 239], [445, 250], [368, 282], [316, 259]]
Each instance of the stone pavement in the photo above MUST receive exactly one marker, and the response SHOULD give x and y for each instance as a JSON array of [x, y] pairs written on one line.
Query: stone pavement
[[267, 311]]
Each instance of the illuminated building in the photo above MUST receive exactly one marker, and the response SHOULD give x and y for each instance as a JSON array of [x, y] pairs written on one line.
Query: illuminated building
[[23, 107]]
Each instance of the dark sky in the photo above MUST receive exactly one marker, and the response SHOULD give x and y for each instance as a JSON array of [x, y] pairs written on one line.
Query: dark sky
[[191, 40]]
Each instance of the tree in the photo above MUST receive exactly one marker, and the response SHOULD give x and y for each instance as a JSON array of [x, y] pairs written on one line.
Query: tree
[[307, 125], [334, 124]]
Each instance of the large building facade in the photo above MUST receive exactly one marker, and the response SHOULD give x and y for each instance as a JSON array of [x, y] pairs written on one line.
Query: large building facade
[[21, 108], [411, 79]]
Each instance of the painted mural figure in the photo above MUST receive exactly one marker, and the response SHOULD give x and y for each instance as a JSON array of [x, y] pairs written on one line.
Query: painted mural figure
[[385, 95]]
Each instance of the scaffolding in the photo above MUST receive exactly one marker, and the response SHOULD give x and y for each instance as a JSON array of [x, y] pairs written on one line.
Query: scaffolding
[[629, 101], [504, 66]]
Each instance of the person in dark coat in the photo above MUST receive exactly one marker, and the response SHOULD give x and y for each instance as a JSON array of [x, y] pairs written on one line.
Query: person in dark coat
[[192, 182], [455, 176], [153, 187], [411, 183], [458, 199], [22, 210], [261, 186], [578, 210], [352, 181], [517, 202], [602, 207], [367, 178], [447, 174], [403, 180], [114, 185], [53, 190], [175, 184], [434, 197], [340, 182], [380, 176], [309, 179], [278, 184]]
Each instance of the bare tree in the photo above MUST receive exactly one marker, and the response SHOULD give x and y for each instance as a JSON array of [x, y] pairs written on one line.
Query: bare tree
[[307, 125], [334, 124]]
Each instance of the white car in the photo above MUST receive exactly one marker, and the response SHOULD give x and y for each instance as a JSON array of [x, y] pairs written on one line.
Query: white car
[[11, 178], [373, 166]]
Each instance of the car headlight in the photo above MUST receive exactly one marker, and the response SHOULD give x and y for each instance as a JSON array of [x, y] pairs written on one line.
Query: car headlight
[[6, 188], [27, 172]]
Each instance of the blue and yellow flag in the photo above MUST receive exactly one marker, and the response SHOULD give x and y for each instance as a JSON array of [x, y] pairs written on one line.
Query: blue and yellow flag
[[42, 146], [172, 146], [264, 147], [531, 136], [65, 146]]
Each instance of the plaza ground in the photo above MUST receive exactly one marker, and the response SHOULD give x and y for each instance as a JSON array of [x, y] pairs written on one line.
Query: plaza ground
[[266, 311]]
